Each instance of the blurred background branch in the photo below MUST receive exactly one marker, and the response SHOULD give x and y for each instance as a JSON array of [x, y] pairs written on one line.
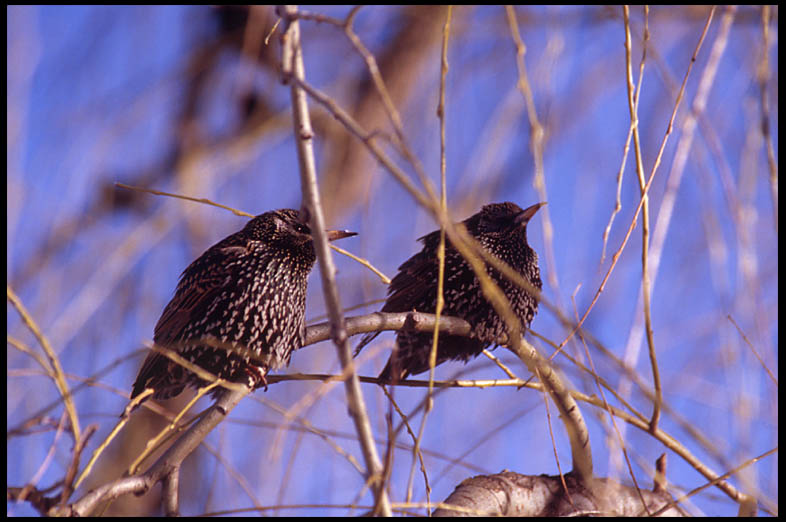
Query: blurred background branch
[[187, 100]]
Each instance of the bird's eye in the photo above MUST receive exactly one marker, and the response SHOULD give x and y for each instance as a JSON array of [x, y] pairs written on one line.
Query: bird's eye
[[303, 229], [492, 224]]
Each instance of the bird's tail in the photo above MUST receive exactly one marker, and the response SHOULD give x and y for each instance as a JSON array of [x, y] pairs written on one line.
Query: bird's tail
[[364, 341], [393, 371], [160, 373]]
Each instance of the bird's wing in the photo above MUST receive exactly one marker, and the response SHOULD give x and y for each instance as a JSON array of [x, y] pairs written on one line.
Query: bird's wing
[[201, 283], [408, 289], [412, 285], [415, 283]]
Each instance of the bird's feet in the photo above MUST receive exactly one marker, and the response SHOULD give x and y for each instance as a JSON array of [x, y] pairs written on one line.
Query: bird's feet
[[256, 376]]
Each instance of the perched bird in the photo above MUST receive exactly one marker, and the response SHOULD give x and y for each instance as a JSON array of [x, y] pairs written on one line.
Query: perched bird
[[501, 229], [245, 299]]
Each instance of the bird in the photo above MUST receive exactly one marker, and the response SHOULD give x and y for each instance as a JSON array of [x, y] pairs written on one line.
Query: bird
[[500, 229], [239, 308]]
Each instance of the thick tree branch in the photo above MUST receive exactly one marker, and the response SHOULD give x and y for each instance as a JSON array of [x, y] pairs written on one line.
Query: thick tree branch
[[560, 394], [513, 495], [164, 469], [380, 321]]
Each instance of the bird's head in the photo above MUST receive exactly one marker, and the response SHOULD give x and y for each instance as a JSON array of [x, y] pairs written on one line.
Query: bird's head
[[287, 226], [502, 218]]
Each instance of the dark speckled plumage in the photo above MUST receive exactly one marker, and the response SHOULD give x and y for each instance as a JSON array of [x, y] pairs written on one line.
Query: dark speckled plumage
[[246, 292], [501, 228]]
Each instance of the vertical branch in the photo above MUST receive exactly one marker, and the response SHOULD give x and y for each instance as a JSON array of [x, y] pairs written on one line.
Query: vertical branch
[[626, 148], [763, 76], [470, 250], [443, 202], [633, 107], [440, 249], [658, 157], [292, 66], [577, 432], [570, 414], [645, 221], [537, 134], [684, 146]]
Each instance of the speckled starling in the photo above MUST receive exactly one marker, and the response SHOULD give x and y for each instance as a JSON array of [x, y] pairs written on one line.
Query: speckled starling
[[245, 298], [501, 229]]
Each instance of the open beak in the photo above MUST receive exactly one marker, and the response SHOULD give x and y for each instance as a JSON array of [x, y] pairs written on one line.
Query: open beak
[[332, 235], [527, 213]]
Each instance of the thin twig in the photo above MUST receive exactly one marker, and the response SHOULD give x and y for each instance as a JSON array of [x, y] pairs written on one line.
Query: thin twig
[[461, 240], [715, 481], [763, 75], [750, 345], [537, 143], [381, 88], [364, 262], [617, 432], [655, 166], [56, 369], [165, 466], [440, 261], [187, 198], [645, 218]]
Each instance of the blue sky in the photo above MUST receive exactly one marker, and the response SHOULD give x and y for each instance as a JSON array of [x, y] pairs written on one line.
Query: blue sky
[[96, 96]]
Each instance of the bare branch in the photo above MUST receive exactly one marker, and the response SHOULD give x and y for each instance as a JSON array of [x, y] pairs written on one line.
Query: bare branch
[[292, 67]]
